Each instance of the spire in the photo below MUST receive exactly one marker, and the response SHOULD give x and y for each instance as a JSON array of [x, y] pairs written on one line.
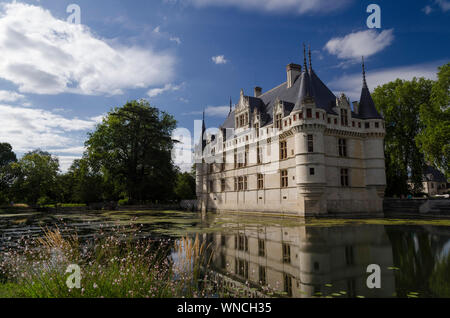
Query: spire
[[367, 109], [310, 60], [231, 106], [304, 57], [364, 72], [202, 141]]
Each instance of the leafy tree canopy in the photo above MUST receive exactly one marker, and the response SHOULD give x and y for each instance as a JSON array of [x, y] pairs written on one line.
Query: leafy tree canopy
[[133, 144]]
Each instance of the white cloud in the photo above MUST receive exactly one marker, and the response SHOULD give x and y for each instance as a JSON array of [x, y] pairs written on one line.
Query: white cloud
[[427, 10], [443, 4], [351, 84], [362, 43], [29, 128], [277, 6], [66, 161], [219, 59], [175, 39], [9, 96], [45, 55], [167, 88], [212, 111]]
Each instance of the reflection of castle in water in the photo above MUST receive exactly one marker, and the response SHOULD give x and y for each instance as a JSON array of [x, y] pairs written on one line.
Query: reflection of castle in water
[[302, 261]]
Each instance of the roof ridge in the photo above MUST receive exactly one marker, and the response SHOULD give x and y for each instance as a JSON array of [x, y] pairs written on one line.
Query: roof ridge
[[270, 90]]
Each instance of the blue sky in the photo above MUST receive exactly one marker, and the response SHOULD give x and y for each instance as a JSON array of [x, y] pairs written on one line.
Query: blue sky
[[57, 79]]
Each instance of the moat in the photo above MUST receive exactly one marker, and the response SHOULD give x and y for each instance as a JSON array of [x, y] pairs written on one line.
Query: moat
[[280, 257]]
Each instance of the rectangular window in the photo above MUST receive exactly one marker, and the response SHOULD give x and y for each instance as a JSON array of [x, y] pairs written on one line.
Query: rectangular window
[[241, 183], [224, 160], [335, 121], [242, 243], [222, 185], [344, 178], [279, 121], [236, 184], [312, 171], [367, 125], [377, 125], [246, 156], [286, 253], [241, 160], [317, 115], [359, 125], [310, 143], [283, 150], [235, 159], [242, 268], [261, 248], [259, 155], [260, 181], [245, 183], [342, 148], [284, 179], [257, 130], [211, 186], [344, 117], [288, 285], [309, 113], [262, 275]]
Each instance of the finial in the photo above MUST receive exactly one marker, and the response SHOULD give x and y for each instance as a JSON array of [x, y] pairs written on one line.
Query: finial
[[309, 53], [364, 72], [304, 56], [203, 114], [231, 105]]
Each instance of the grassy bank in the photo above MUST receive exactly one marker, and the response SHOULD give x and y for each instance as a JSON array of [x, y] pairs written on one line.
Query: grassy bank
[[117, 265]]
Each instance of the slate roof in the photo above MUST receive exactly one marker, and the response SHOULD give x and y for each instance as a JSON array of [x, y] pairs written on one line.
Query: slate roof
[[432, 174], [367, 109], [307, 84]]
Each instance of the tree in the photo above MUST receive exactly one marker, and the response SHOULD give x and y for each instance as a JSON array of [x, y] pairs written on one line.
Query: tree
[[36, 178], [7, 157], [87, 182], [400, 102], [133, 145], [185, 186], [434, 139]]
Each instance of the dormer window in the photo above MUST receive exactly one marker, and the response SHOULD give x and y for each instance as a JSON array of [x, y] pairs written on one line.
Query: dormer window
[[279, 121], [344, 117]]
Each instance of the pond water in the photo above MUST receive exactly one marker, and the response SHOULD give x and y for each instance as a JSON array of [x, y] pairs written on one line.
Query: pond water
[[283, 257]]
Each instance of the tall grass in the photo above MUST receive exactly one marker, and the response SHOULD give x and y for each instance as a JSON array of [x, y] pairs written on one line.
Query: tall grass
[[116, 265]]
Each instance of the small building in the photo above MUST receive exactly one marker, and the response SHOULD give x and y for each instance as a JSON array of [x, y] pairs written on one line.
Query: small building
[[434, 182], [295, 149]]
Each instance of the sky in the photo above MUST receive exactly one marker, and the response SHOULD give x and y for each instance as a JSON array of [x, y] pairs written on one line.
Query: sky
[[58, 77]]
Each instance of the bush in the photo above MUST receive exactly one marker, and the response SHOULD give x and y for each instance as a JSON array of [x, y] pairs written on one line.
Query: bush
[[125, 201]]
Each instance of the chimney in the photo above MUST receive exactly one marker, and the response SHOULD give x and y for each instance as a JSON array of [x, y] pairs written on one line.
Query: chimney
[[356, 107], [258, 91], [293, 71]]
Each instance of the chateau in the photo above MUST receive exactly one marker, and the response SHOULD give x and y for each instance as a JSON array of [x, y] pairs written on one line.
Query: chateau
[[295, 149]]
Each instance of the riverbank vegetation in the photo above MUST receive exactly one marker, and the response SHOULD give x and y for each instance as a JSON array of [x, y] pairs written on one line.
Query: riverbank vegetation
[[127, 160], [113, 265], [417, 116]]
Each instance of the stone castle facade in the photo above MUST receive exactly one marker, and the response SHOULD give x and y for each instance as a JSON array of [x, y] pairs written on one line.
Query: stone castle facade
[[295, 149]]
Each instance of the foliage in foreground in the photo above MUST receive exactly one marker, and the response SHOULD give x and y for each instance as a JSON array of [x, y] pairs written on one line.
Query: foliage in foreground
[[113, 266]]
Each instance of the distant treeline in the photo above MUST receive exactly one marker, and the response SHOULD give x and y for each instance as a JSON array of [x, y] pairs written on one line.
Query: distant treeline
[[127, 159]]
